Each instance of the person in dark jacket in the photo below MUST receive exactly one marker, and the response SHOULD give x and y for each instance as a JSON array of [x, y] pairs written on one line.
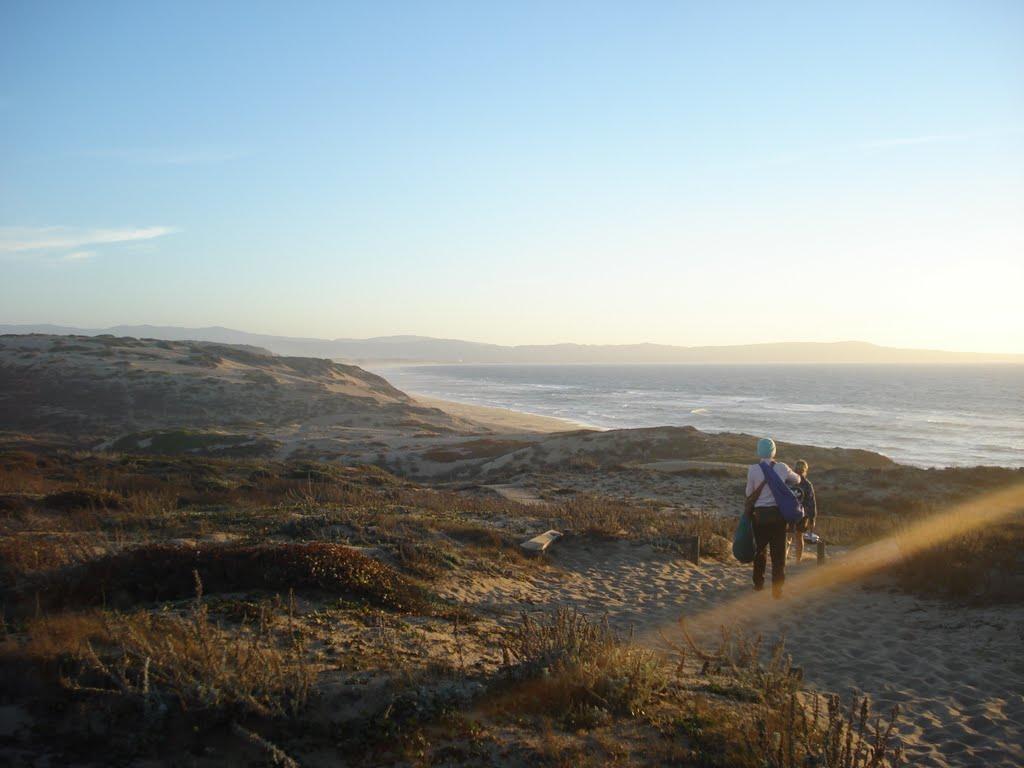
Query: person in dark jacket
[[810, 509]]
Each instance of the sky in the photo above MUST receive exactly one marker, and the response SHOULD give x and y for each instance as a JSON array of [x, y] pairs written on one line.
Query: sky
[[678, 172]]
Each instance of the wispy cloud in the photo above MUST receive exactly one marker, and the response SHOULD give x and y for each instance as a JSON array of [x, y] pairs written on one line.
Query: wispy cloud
[[71, 243]]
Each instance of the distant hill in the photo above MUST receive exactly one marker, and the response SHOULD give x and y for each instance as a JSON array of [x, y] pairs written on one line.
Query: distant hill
[[105, 385], [423, 349]]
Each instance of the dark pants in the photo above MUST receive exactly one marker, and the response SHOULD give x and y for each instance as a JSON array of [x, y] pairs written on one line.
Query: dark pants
[[769, 534]]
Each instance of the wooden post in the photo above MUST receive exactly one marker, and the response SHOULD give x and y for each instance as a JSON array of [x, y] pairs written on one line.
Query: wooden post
[[821, 551], [691, 549]]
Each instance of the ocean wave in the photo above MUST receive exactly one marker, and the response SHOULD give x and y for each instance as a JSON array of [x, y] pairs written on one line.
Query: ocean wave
[[927, 420]]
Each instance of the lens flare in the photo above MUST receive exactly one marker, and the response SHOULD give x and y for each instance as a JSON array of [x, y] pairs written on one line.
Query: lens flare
[[863, 561]]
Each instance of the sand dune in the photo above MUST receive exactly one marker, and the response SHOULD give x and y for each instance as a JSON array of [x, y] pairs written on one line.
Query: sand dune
[[106, 386], [956, 673]]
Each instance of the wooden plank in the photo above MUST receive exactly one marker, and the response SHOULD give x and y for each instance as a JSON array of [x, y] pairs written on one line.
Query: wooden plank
[[542, 542]]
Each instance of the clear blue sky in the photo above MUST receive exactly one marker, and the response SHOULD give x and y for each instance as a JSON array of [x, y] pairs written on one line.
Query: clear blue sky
[[675, 172]]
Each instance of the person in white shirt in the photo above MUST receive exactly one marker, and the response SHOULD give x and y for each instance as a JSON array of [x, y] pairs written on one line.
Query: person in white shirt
[[769, 527]]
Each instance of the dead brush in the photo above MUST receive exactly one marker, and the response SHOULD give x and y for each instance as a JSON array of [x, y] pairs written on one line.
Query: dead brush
[[739, 657], [37, 545], [715, 531], [155, 572], [982, 566], [153, 506], [602, 516], [568, 665], [488, 549], [844, 530], [159, 659], [781, 726], [307, 498], [22, 472], [61, 635]]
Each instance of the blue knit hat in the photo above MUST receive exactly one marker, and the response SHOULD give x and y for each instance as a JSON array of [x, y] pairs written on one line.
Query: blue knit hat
[[765, 448]]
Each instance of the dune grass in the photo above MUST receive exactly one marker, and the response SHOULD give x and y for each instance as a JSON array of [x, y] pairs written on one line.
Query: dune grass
[[163, 572], [578, 669], [106, 641], [201, 666]]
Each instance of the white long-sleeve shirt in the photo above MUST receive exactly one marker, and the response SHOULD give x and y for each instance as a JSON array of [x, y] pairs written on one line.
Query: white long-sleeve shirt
[[755, 476]]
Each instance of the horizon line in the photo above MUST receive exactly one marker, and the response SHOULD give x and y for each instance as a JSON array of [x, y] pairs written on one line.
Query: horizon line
[[336, 339]]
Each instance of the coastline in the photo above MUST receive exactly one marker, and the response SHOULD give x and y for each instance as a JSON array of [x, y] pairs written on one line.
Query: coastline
[[502, 419], [931, 420]]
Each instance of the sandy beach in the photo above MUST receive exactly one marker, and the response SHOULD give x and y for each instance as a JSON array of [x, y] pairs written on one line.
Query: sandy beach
[[501, 419]]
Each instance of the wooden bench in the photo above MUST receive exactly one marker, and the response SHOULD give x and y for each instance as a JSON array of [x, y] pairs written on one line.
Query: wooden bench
[[539, 544]]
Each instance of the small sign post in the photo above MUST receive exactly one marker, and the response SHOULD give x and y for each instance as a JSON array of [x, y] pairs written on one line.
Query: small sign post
[[691, 549]]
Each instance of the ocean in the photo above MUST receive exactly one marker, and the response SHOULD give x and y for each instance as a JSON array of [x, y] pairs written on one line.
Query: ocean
[[924, 415]]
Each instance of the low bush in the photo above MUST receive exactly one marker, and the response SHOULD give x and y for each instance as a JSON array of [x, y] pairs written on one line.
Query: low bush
[[160, 659], [27, 555], [779, 726], [981, 566], [489, 448], [83, 499], [715, 531], [601, 516], [572, 667], [14, 503], [165, 572]]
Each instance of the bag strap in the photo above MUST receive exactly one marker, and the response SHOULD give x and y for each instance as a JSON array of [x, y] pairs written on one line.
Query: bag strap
[[752, 498], [757, 494], [764, 472]]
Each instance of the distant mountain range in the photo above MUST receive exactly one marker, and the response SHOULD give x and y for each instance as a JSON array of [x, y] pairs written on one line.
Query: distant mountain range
[[423, 349]]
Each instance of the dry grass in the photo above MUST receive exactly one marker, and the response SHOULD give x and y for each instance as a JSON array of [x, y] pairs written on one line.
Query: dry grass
[[780, 726], [34, 546], [594, 515], [847, 531], [481, 448], [715, 532], [737, 705], [571, 690], [83, 499], [578, 669], [981, 566], [603, 516], [53, 636], [158, 572], [164, 659]]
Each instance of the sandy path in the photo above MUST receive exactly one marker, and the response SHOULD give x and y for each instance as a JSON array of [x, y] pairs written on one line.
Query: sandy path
[[518, 494], [957, 674]]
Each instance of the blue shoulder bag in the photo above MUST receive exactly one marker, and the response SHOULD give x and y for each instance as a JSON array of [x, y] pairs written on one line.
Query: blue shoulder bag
[[790, 508]]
